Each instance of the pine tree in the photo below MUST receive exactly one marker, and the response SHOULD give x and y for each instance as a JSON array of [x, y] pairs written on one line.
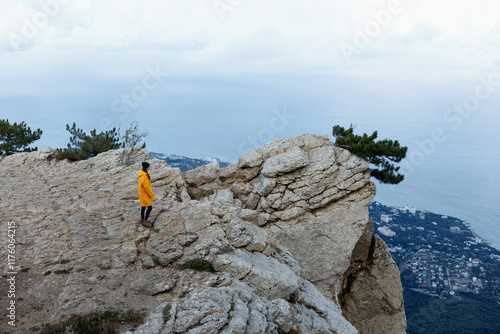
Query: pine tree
[[16, 137], [82, 146], [381, 153]]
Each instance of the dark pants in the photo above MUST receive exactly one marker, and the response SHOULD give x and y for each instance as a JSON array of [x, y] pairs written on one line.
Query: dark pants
[[147, 212]]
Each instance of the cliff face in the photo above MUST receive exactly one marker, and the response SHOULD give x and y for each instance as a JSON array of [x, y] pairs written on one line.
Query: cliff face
[[286, 229]]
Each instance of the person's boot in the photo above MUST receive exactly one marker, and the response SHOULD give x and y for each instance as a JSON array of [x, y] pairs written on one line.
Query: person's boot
[[145, 223]]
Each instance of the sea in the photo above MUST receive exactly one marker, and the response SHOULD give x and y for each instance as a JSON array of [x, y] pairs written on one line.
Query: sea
[[453, 161]]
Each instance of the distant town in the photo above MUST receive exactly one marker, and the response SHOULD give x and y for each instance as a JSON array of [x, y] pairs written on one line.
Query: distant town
[[436, 254]]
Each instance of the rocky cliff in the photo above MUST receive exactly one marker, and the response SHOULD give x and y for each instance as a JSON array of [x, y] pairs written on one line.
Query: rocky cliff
[[286, 229]]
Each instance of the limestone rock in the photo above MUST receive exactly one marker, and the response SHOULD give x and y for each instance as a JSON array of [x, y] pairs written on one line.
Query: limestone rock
[[235, 309], [243, 234], [285, 230], [251, 159], [224, 196], [203, 174], [373, 295], [284, 163]]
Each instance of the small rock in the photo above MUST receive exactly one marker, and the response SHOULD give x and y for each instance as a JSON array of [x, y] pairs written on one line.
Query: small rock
[[249, 160], [286, 162]]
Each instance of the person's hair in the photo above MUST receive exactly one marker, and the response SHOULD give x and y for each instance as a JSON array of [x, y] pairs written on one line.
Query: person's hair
[[145, 166]]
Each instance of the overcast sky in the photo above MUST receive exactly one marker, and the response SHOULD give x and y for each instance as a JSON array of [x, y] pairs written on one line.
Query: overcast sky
[[78, 60], [238, 33]]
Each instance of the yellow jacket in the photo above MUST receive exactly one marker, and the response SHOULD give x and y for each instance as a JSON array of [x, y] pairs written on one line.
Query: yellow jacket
[[145, 192]]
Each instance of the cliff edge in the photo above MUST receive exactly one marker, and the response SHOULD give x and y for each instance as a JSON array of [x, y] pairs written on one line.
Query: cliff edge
[[286, 229]]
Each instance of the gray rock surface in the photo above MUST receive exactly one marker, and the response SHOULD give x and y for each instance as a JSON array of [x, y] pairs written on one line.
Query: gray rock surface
[[284, 229], [372, 291]]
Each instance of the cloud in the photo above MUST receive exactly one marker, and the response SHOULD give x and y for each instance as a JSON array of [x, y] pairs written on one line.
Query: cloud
[[423, 32], [252, 36]]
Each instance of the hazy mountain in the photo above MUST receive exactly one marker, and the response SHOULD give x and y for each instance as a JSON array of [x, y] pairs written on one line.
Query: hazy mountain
[[185, 163]]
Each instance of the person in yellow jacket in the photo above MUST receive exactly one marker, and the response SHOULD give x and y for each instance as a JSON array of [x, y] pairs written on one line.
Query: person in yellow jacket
[[145, 194]]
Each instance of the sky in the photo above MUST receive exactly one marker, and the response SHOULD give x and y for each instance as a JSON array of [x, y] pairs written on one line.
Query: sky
[[189, 69], [228, 65]]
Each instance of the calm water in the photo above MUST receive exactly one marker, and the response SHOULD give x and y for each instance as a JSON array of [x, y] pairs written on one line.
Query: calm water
[[456, 176]]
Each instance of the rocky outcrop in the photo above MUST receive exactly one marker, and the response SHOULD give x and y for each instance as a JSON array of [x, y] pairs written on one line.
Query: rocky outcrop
[[286, 229], [371, 297]]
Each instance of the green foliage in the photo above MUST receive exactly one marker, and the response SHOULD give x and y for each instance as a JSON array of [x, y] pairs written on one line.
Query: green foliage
[[104, 322], [200, 265], [381, 153], [83, 146], [469, 313], [16, 137]]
